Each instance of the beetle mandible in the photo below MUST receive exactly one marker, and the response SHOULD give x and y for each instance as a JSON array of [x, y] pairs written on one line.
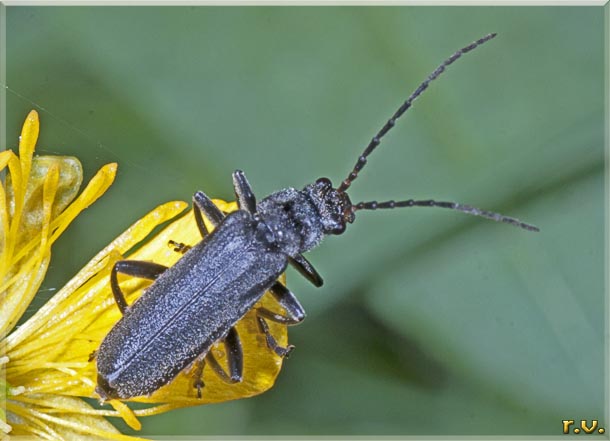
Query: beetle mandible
[[197, 302]]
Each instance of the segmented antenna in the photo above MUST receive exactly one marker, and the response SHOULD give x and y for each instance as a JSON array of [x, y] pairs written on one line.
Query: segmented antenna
[[402, 109], [374, 205]]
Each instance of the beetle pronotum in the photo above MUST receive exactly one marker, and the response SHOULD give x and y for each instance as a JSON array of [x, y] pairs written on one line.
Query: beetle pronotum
[[197, 302]]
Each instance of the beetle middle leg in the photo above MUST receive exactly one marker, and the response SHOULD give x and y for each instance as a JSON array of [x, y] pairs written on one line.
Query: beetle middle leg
[[272, 343], [136, 268], [294, 315], [289, 302]]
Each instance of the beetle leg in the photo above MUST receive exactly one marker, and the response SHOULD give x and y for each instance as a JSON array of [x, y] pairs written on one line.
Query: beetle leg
[[235, 359], [179, 247], [136, 268], [276, 317], [198, 375], [211, 211], [289, 302], [302, 265], [271, 342], [243, 192]]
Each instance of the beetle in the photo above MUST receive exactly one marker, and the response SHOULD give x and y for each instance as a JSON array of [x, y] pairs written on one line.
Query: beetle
[[197, 302]]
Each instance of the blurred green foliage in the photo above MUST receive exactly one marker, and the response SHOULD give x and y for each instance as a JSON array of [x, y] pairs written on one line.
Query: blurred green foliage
[[430, 322]]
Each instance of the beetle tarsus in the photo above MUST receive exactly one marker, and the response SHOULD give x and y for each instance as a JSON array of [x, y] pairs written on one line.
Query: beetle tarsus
[[271, 342], [179, 247], [199, 385], [198, 376]]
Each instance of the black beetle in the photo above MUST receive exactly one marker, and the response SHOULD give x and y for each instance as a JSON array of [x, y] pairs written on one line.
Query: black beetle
[[197, 302]]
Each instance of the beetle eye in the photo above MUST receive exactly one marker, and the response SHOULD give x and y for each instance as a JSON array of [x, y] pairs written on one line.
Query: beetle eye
[[324, 182], [339, 229]]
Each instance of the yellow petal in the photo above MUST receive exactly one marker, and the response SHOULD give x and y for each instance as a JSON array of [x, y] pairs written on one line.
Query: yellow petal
[[7, 207], [27, 250], [126, 413], [35, 208], [80, 293], [62, 418], [27, 141], [19, 172]]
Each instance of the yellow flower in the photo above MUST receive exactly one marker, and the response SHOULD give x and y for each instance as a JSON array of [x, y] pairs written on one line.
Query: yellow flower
[[46, 361]]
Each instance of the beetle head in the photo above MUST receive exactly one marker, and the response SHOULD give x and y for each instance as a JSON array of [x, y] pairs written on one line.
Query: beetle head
[[334, 206]]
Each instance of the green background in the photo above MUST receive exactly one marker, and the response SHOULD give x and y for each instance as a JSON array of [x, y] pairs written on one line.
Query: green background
[[430, 321]]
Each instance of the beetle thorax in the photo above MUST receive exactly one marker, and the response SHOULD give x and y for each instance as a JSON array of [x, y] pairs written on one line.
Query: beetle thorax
[[290, 221]]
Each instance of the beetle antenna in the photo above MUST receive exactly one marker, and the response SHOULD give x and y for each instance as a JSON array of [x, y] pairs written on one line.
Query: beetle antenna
[[374, 205], [403, 108]]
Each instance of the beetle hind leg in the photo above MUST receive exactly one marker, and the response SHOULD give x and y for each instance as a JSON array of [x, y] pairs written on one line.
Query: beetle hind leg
[[235, 359], [198, 376], [201, 204], [235, 362]]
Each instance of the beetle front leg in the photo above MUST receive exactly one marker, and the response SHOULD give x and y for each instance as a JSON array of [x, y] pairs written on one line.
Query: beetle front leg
[[135, 268], [302, 265], [243, 191]]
